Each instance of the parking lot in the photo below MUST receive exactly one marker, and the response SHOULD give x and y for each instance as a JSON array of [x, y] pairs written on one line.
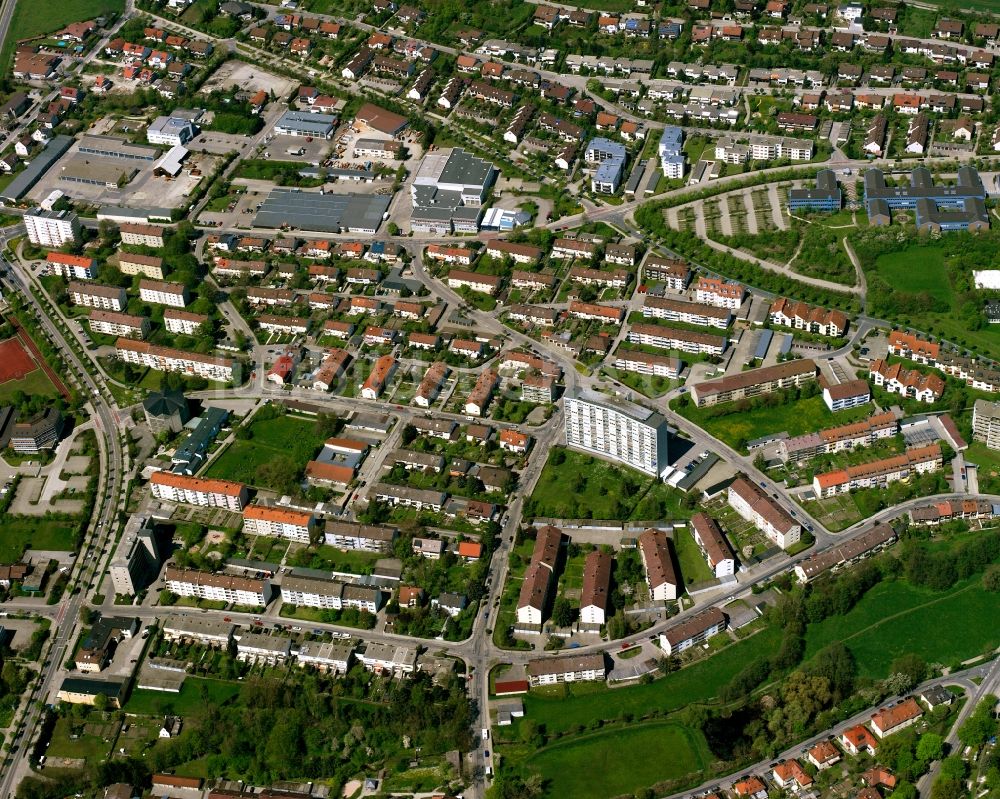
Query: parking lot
[[218, 143], [301, 149], [144, 190], [248, 77]]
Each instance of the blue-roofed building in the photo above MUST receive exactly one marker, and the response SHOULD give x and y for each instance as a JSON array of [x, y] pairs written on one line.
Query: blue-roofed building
[[762, 344], [827, 195], [190, 455], [671, 151], [610, 157], [938, 208], [786, 345]]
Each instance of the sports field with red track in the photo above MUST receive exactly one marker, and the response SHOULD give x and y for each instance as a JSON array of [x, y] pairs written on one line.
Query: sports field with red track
[[15, 362]]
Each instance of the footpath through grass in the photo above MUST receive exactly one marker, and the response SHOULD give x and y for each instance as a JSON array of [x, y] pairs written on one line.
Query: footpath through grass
[[896, 618], [625, 759]]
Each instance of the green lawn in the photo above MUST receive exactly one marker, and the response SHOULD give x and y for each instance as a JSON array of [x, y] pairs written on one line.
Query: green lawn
[[563, 708], [932, 277], [894, 618], [34, 18], [919, 269], [289, 436], [31, 384], [584, 487], [37, 533], [616, 761], [195, 692], [85, 746], [694, 568], [803, 416]]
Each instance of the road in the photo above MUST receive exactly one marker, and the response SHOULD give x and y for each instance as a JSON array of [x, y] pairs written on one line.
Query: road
[[102, 528]]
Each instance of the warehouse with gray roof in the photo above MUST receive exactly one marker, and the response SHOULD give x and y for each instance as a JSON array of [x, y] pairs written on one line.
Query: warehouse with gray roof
[[325, 213], [303, 123]]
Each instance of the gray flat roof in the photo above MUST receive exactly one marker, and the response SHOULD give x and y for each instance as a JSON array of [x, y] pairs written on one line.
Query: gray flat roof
[[329, 213], [39, 165]]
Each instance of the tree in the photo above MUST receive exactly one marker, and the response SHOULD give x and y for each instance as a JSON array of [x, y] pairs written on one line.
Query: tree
[[991, 577], [980, 726], [930, 747], [911, 666]]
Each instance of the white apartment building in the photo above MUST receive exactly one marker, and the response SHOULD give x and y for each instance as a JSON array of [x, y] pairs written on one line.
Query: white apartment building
[[646, 363], [184, 322], [694, 630], [568, 668], [669, 338], [141, 235], [168, 359], [986, 423], [171, 131], [713, 544], [162, 293], [118, 324], [198, 491], [596, 587], [623, 432], [218, 587], [52, 229], [353, 535], [278, 522], [717, 292], [71, 267], [94, 295], [691, 313], [754, 505], [312, 592], [485, 284], [150, 266]]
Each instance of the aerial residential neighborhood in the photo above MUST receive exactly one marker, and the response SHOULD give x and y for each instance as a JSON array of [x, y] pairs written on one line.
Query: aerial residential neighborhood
[[499, 400]]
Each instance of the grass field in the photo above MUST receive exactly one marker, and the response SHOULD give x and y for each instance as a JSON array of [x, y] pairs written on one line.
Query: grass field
[[625, 759], [932, 277], [33, 18], [564, 708], [694, 568], [804, 416], [897, 268], [196, 692], [86, 746], [36, 533], [893, 619], [32, 384], [289, 436], [583, 487]]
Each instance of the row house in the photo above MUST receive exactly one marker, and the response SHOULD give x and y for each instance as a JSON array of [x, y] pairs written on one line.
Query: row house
[[488, 93], [590, 311], [863, 546], [518, 253], [878, 474], [801, 316], [257, 295], [619, 278], [226, 267], [332, 366], [431, 384], [288, 325], [450, 255], [482, 392], [573, 248], [910, 383], [536, 315], [485, 284], [838, 439]]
